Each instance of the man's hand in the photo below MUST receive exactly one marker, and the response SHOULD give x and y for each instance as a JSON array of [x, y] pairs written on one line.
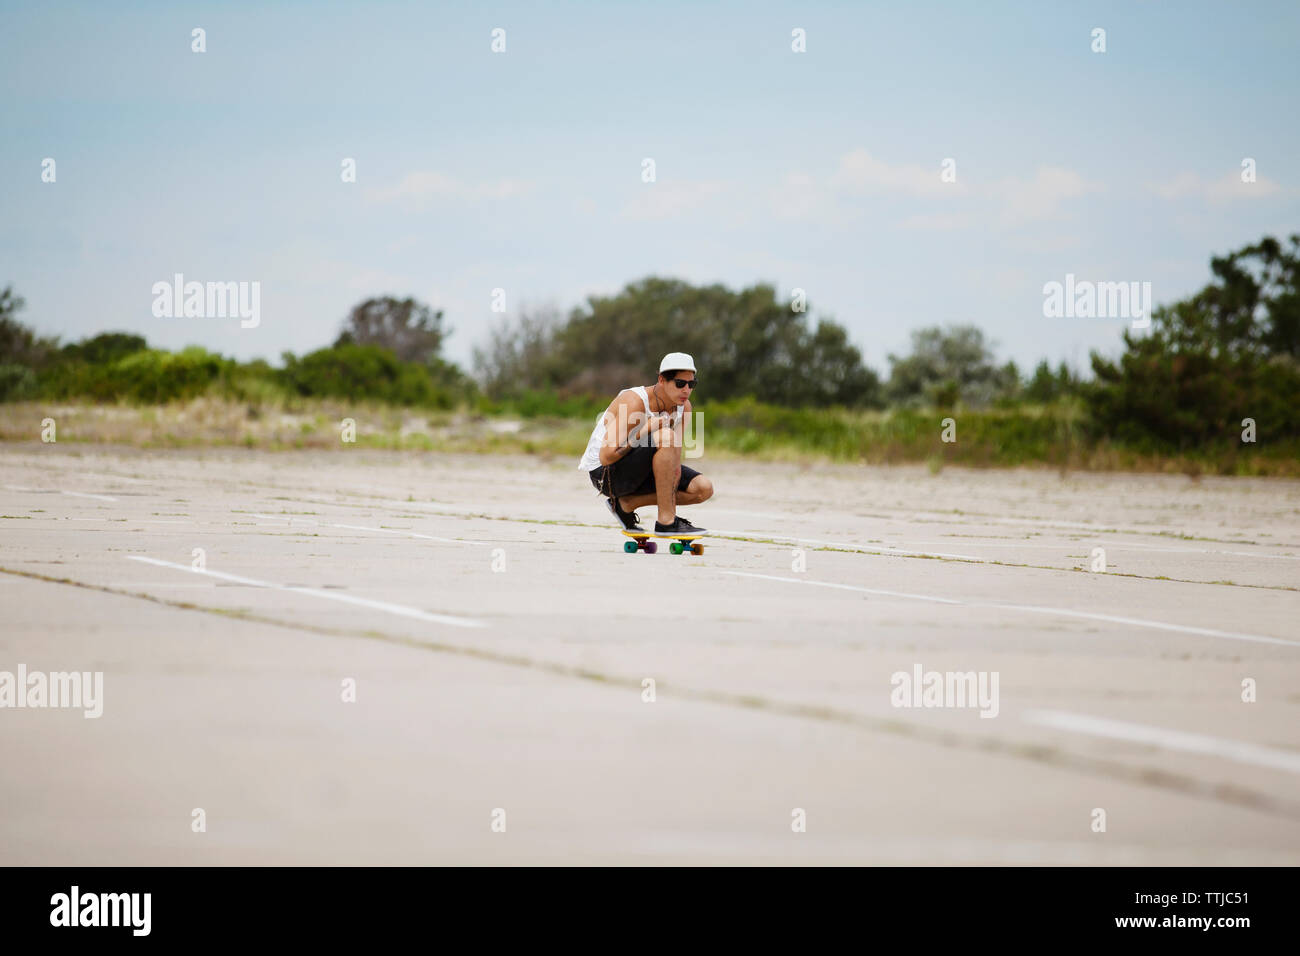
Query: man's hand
[[644, 428], [662, 431]]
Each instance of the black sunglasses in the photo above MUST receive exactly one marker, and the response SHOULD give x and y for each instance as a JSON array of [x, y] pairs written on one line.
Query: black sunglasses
[[686, 382]]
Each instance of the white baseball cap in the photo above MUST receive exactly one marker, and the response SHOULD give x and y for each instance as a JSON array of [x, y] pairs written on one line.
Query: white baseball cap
[[678, 361]]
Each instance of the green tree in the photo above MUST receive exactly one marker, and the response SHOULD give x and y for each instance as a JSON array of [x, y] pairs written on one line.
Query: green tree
[[1229, 352], [1046, 386], [363, 372], [745, 343], [411, 330], [105, 347], [947, 366], [19, 345], [21, 351]]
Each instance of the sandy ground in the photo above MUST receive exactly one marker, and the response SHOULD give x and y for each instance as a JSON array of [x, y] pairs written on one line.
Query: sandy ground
[[501, 643]]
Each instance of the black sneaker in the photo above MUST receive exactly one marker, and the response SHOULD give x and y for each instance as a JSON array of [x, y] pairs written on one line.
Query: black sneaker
[[680, 528], [627, 519]]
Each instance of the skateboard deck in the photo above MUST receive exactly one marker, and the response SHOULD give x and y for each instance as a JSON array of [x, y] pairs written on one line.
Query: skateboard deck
[[680, 543]]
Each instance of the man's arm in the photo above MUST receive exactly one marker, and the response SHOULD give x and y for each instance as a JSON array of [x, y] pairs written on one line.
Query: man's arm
[[624, 414]]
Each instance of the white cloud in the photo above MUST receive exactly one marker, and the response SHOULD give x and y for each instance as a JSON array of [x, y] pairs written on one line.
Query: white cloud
[[826, 198], [427, 185], [801, 197], [860, 173], [1024, 201], [1007, 282], [1224, 189], [668, 200], [936, 222]]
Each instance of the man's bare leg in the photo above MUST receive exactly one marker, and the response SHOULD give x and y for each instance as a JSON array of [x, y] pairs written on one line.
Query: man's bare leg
[[667, 460], [632, 502], [700, 489]]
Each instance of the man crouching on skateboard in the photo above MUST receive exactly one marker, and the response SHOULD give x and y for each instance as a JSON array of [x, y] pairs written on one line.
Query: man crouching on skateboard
[[634, 455]]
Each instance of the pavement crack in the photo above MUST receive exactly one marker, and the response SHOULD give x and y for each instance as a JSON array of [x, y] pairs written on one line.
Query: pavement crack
[[1038, 753]]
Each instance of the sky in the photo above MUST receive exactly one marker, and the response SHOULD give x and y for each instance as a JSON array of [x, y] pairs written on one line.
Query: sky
[[522, 170]]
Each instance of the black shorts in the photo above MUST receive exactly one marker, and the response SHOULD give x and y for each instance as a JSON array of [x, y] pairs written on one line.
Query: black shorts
[[633, 474]]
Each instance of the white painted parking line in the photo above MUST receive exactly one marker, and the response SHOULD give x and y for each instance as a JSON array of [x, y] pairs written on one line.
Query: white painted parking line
[[907, 552], [82, 494], [399, 609], [1065, 546], [74, 494], [1074, 544], [409, 534], [1068, 546], [1234, 750], [358, 527], [1143, 622], [857, 546], [1037, 609], [1157, 548], [869, 548], [847, 587], [395, 503]]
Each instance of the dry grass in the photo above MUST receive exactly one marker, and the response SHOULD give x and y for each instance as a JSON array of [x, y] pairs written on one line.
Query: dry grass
[[309, 424], [319, 423]]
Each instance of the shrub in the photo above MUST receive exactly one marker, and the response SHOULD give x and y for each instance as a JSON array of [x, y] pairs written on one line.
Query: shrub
[[363, 372]]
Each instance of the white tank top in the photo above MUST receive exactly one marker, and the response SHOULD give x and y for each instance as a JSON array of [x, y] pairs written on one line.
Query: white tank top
[[591, 457]]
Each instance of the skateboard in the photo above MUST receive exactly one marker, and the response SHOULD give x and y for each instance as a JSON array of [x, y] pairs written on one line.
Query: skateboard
[[684, 544]]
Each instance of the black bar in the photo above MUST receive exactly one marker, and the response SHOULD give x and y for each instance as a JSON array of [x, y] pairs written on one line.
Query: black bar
[[932, 905]]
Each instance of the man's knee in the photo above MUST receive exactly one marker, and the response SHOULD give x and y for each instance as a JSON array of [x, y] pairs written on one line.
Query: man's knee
[[668, 453], [701, 487]]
